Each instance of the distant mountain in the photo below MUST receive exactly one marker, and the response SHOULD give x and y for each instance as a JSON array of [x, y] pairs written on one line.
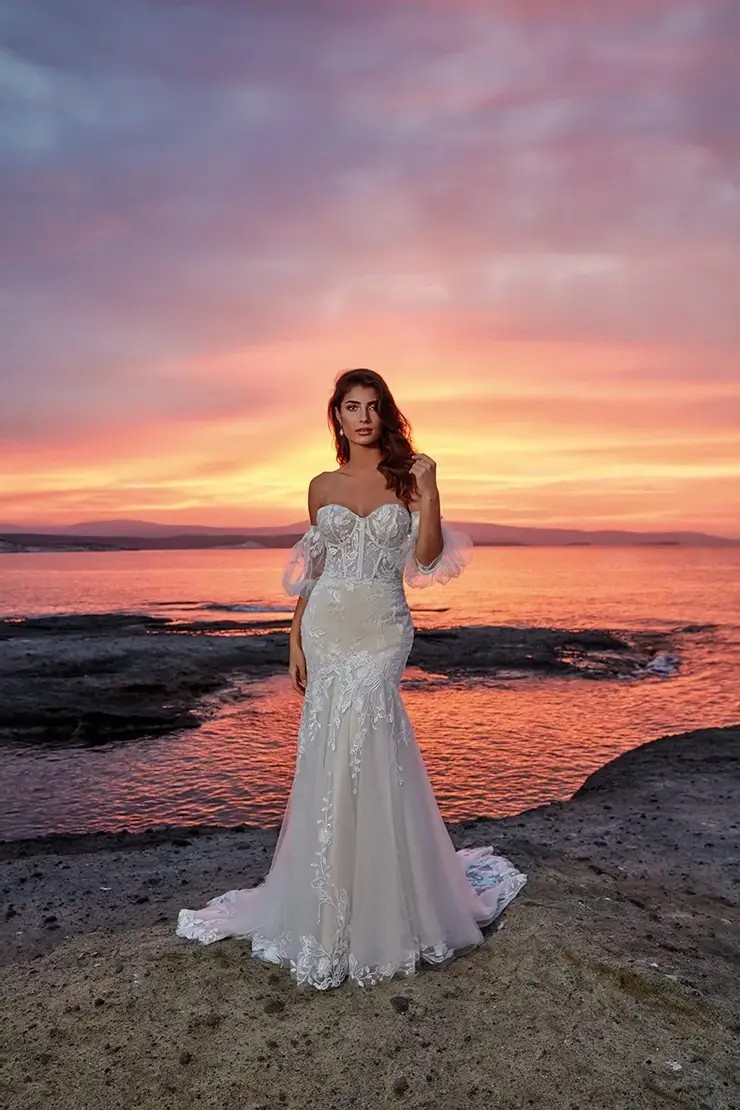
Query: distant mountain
[[142, 528], [559, 537], [134, 534]]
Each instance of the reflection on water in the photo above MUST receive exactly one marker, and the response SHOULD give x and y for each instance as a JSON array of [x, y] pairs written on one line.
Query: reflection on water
[[491, 747]]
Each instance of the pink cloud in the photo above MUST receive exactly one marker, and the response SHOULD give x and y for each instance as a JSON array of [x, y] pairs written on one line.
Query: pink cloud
[[237, 200]]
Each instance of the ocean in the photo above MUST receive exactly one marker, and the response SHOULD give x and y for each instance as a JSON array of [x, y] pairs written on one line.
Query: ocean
[[493, 746]]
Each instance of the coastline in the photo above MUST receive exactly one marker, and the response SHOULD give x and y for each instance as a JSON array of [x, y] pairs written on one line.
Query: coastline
[[91, 678], [612, 977]]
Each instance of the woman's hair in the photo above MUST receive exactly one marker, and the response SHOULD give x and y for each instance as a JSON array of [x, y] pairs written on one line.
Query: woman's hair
[[395, 432]]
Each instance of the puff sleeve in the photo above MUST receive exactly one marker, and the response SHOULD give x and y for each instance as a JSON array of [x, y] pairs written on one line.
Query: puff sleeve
[[304, 564], [454, 557]]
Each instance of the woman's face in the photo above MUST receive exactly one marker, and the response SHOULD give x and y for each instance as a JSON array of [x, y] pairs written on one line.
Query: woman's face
[[359, 416]]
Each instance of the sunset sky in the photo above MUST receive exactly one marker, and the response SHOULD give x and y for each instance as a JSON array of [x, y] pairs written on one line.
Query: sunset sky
[[524, 215]]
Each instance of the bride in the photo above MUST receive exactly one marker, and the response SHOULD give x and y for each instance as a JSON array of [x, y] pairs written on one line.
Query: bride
[[365, 882]]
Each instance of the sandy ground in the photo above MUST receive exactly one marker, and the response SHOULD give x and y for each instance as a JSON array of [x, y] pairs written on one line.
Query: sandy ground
[[610, 982]]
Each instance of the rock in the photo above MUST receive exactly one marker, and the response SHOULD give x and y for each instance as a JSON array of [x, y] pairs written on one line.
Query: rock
[[100, 677]]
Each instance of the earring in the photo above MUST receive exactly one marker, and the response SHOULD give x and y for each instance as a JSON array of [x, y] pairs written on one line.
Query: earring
[[341, 431]]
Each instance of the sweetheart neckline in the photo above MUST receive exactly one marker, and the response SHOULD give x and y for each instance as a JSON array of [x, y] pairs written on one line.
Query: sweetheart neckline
[[359, 516]]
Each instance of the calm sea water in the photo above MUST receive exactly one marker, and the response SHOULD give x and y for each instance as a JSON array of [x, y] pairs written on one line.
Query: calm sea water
[[491, 747]]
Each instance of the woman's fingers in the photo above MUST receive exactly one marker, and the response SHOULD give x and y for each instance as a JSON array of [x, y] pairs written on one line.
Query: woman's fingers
[[298, 678]]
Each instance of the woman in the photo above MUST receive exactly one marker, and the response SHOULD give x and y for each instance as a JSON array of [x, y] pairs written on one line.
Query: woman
[[365, 881]]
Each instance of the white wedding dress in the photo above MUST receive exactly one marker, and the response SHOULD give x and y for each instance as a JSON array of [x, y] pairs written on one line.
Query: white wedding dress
[[365, 882]]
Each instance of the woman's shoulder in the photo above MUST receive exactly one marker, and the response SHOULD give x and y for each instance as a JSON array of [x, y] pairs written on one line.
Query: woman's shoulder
[[320, 483], [319, 492], [323, 485]]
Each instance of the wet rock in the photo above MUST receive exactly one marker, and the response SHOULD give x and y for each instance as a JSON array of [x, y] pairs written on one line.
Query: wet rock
[[92, 678]]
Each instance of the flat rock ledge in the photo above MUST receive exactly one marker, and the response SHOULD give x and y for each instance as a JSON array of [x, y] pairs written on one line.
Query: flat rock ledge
[[611, 981], [94, 678]]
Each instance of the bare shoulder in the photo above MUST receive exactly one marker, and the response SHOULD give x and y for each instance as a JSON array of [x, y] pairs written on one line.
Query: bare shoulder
[[325, 484], [320, 483], [317, 493]]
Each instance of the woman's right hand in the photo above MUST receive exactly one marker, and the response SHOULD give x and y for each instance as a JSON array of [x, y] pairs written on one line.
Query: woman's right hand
[[297, 668]]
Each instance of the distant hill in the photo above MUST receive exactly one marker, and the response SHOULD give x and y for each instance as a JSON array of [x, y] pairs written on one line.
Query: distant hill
[[122, 534], [122, 527], [607, 537]]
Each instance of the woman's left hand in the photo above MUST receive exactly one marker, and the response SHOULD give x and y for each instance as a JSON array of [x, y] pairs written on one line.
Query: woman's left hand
[[424, 470]]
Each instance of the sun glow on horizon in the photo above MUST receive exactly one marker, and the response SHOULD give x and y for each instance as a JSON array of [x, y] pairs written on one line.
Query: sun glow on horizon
[[543, 269]]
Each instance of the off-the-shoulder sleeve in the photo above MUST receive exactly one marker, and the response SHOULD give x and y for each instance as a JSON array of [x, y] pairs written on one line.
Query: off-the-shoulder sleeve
[[454, 557], [305, 563]]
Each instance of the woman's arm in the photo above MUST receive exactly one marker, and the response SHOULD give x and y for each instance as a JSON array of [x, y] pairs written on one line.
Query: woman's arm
[[430, 541], [297, 664], [297, 660], [440, 552]]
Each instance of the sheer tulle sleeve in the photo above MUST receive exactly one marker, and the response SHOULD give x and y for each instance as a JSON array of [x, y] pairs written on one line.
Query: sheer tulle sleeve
[[455, 555], [305, 563]]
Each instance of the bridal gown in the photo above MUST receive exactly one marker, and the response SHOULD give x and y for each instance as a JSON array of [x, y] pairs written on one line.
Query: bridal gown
[[365, 882]]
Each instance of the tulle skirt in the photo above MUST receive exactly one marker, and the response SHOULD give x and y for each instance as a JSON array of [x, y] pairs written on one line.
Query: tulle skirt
[[365, 882]]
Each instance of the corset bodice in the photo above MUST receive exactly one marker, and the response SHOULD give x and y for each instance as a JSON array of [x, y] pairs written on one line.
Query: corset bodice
[[372, 547], [379, 547]]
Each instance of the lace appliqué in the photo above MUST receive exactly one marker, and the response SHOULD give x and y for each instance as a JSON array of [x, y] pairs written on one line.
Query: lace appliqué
[[363, 685], [321, 967]]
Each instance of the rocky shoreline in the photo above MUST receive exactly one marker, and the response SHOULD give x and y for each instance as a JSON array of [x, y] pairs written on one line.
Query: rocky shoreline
[[611, 980], [92, 678]]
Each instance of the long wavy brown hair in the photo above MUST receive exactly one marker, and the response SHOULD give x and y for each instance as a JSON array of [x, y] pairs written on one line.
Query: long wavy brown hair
[[395, 434]]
